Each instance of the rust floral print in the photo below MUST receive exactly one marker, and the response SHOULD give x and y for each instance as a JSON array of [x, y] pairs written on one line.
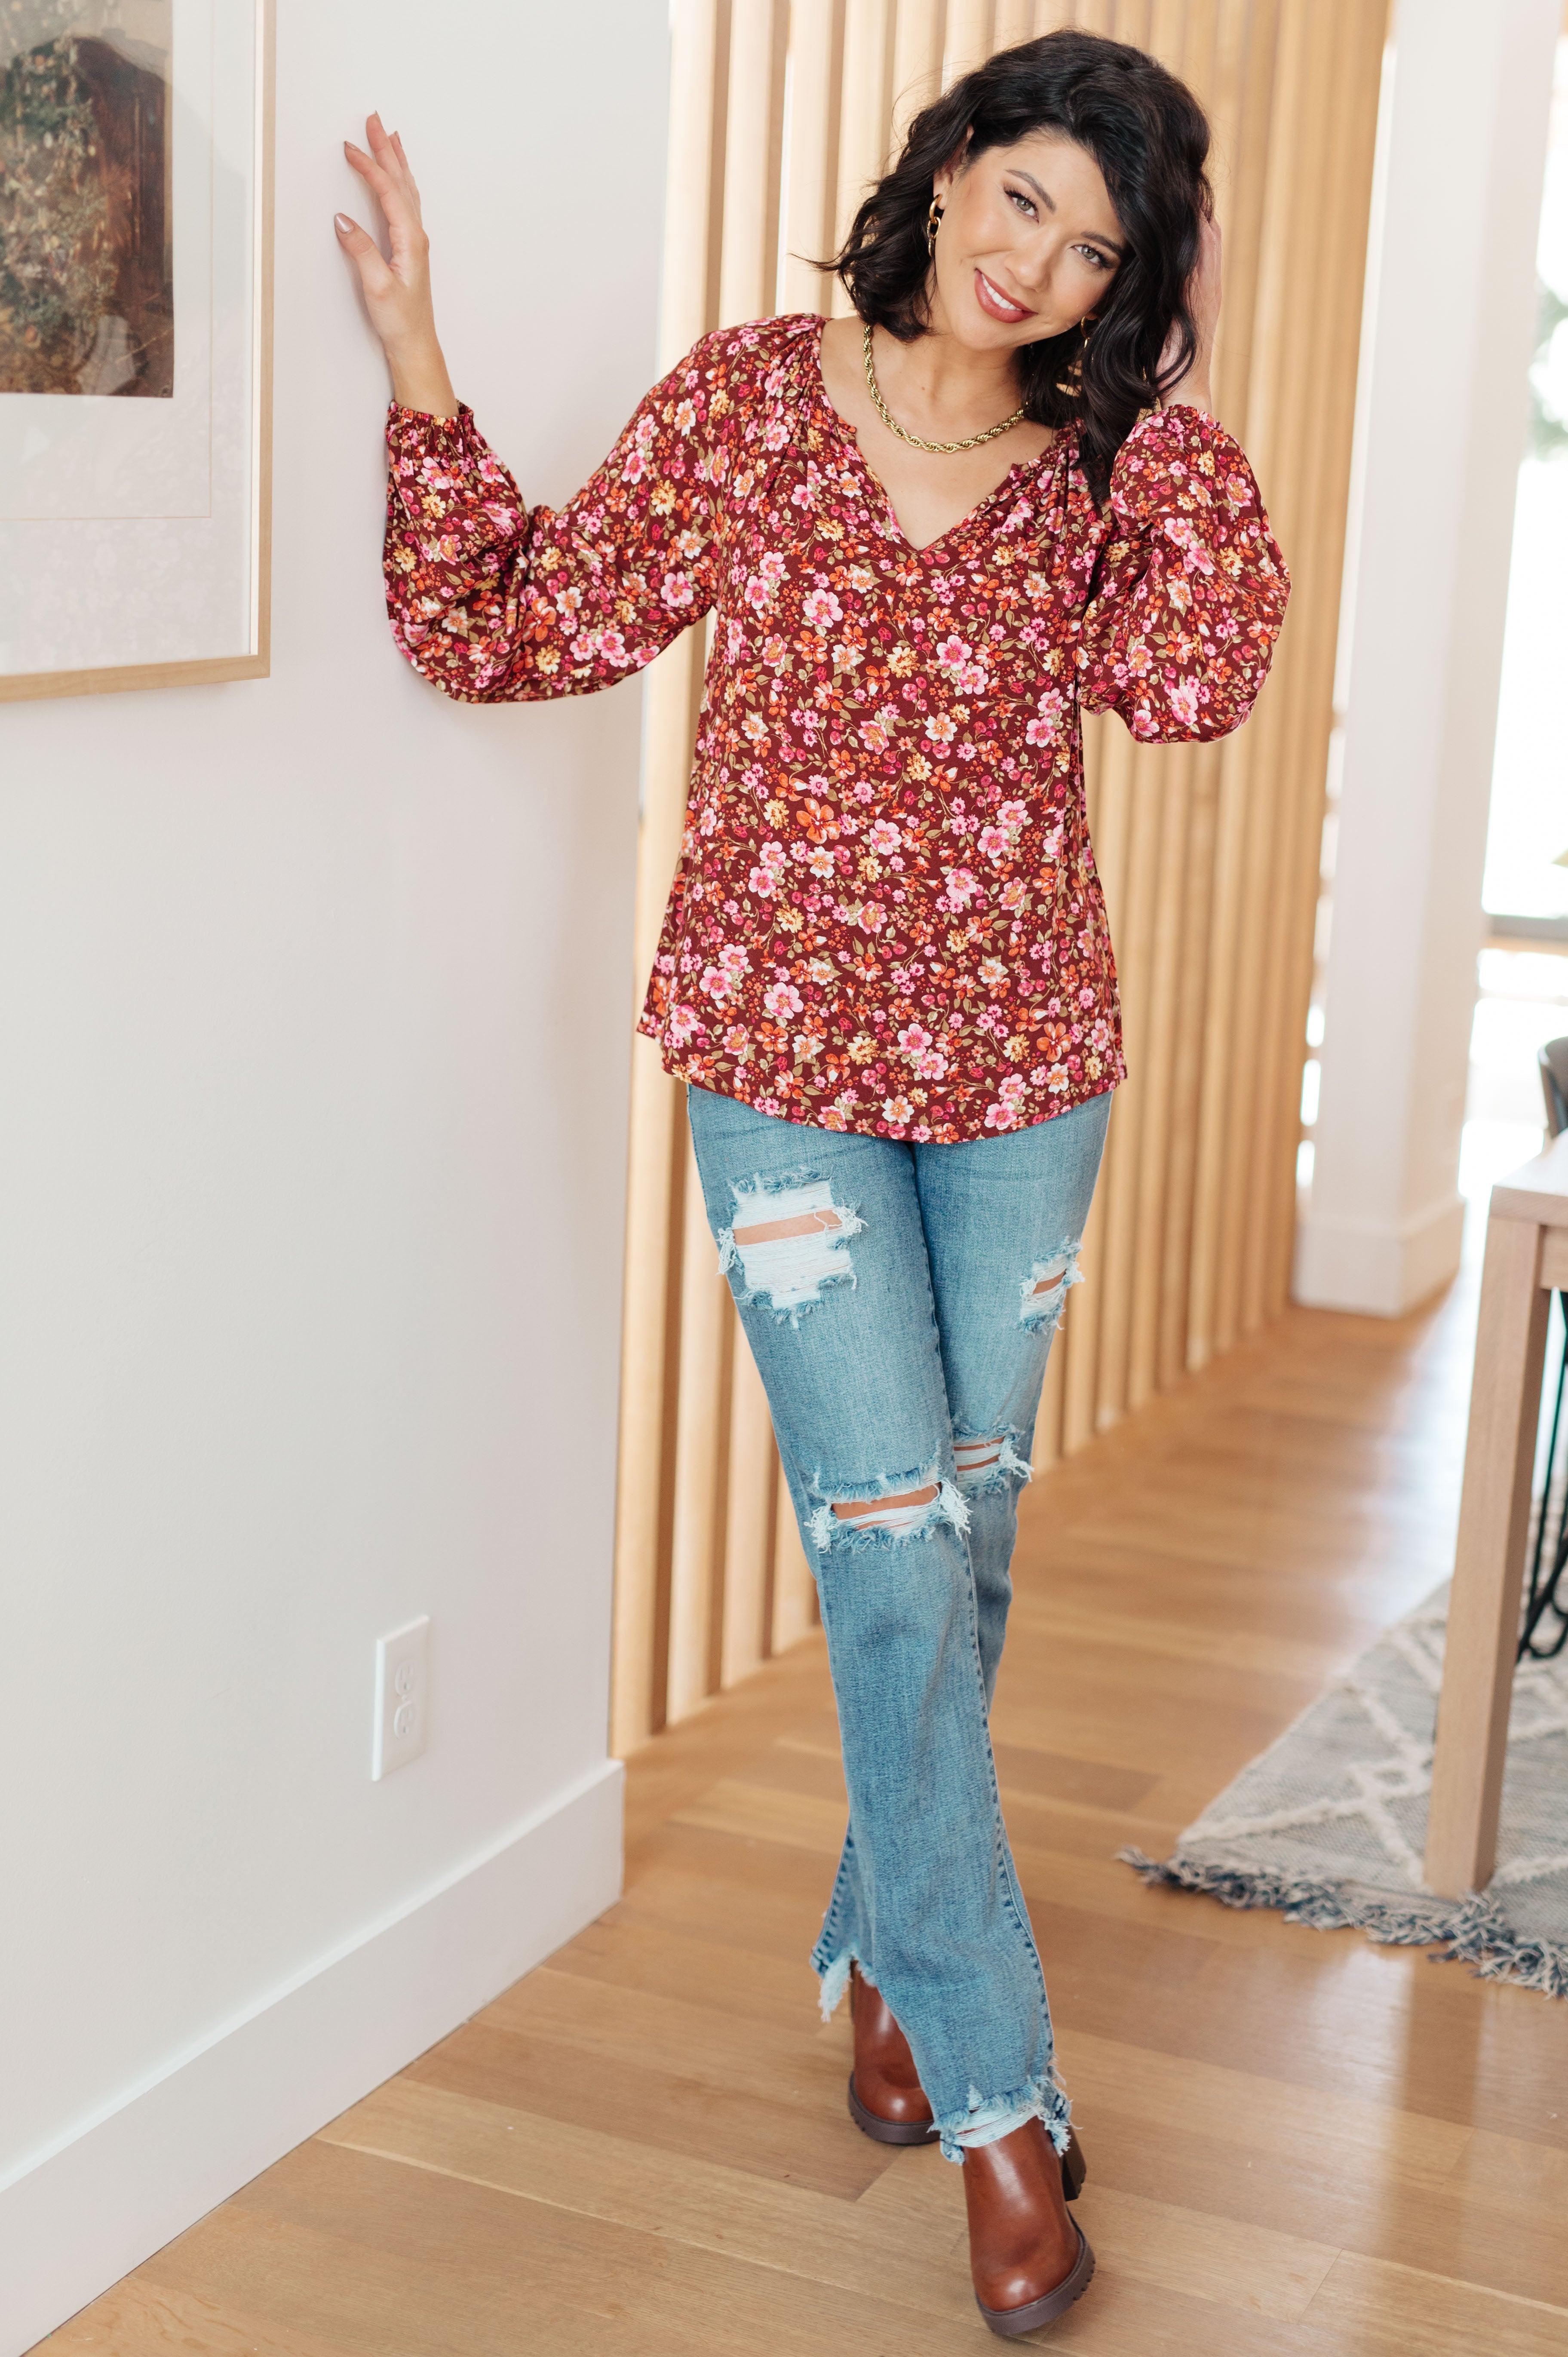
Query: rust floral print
[[885, 915]]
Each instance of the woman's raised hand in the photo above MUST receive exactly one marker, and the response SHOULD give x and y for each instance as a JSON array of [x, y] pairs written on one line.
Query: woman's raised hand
[[397, 293], [1203, 290]]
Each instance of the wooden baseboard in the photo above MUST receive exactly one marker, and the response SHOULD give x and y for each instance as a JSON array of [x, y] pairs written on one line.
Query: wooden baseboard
[[162, 2154]]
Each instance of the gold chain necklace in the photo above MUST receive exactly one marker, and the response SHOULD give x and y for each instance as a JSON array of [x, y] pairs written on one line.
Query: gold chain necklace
[[937, 450]]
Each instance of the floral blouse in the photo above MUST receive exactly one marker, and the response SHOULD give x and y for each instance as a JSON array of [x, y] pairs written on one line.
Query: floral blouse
[[885, 915]]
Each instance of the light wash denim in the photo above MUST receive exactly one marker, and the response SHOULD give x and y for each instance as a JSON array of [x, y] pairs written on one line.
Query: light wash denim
[[901, 1327]]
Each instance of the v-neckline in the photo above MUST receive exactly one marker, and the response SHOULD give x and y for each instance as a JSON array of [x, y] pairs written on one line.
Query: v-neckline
[[847, 433]]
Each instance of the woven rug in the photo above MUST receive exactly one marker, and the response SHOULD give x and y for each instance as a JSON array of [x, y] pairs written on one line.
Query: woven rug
[[1329, 1824]]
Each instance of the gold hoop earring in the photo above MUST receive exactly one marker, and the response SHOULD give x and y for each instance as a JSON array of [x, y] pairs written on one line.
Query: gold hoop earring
[[933, 223], [1072, 384]]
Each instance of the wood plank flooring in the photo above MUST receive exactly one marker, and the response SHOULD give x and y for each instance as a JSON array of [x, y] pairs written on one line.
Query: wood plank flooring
[[1299, 2145]]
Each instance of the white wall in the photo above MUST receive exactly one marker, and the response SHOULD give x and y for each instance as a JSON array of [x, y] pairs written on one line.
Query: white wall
[[1443, 426], [314, 1002]]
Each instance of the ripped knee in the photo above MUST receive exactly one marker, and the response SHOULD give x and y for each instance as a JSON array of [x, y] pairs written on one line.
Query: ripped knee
[[905, 1511], [791, 1239], [990, 1463], [1043, 1293], [904, 1506]]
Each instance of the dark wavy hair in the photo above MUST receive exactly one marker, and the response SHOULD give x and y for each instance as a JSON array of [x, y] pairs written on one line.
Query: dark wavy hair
[[1150, 138]]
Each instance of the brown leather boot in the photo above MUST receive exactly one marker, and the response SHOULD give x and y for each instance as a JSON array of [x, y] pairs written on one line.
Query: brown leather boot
[[885, 2097], [1028, 2258]]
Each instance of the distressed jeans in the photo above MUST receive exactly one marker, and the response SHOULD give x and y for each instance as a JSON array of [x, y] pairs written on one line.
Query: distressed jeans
[[900, 1302]]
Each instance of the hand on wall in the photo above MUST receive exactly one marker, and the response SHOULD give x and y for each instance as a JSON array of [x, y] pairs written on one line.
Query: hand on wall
[[397, 292]]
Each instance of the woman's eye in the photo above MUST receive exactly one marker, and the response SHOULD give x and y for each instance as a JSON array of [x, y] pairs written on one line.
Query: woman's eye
[[1024, 203], [1099, 260]]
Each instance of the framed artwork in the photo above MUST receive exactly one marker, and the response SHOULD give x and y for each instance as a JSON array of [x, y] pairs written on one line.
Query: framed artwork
[[135, 316]]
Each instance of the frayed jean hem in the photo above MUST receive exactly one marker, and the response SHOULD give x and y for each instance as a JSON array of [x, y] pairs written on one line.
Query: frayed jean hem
[[833, 1978], [986, 2122]]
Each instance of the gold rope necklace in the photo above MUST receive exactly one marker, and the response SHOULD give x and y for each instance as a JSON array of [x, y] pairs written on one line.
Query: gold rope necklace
[[937, 450]]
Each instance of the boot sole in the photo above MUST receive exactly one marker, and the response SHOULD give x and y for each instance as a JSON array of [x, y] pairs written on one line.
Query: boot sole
[[1075, 2169], [1008, 2323], [889, 2131]]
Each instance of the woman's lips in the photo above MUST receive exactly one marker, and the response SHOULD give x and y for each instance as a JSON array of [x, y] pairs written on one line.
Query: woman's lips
[[996, 305]]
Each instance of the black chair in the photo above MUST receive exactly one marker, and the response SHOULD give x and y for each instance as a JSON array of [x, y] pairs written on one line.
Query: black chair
[[1548, 1590]]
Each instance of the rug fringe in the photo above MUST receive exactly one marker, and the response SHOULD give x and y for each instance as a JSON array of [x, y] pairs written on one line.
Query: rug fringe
[[1471, 1931]]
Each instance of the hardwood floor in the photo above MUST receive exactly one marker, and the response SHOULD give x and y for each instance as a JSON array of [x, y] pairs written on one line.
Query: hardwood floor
[[1299, 2145]]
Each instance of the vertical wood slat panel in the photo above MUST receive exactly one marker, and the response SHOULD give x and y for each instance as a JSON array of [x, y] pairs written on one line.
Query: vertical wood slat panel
[[916, 61], [749, 231], [968, 43], [1258, 753], [749, 1521], [1312, 273], [862, 117], [636, 1708], [811, 158], [1349, 176], [1300, 343], [705, 1310], [794, 1591], [740, 273], [1253, 30], [1208, 854], [1207, 62], [1191, 48], [1126, 769]]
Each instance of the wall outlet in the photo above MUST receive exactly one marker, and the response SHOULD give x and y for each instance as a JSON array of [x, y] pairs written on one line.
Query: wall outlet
[[403, 1696]]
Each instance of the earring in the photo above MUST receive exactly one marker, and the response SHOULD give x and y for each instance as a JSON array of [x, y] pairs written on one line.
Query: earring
[[1072, 384], [933, 223]]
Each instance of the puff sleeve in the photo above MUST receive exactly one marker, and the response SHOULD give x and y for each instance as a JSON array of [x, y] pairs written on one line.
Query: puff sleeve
[[1191, 590], [493, 601]]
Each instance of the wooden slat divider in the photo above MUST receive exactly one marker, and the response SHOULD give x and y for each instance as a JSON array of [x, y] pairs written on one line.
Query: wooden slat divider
[[1258, 754], [1014, 21], [794, 1589], [968, 42], [749, 236], [1169, 791], [1249, 40], [863, 121], [782, 113], [1132, 773], [707, 1319], [916, 61], [1301, 342], [1192, 980], [749, 1519], [811, 163], [1362, 38], [639, 1644]]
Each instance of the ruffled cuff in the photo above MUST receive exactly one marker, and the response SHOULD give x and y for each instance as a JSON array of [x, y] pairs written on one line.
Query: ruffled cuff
[[444, 472], [419, 429], [1176, 459]]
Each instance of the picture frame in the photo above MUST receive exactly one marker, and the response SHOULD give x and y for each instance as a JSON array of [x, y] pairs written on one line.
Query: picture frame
[[137, 142]]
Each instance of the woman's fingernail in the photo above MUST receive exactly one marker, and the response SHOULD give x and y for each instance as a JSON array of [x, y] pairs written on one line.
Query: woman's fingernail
[[345, 226]]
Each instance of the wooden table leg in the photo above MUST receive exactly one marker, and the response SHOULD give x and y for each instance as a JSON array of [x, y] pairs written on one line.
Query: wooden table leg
[[1488, 1563]]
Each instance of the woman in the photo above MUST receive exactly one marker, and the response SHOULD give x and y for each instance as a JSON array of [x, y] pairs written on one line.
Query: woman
[[929, 534]]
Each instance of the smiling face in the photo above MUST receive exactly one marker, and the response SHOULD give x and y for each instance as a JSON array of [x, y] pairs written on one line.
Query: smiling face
[[1029, 243]]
